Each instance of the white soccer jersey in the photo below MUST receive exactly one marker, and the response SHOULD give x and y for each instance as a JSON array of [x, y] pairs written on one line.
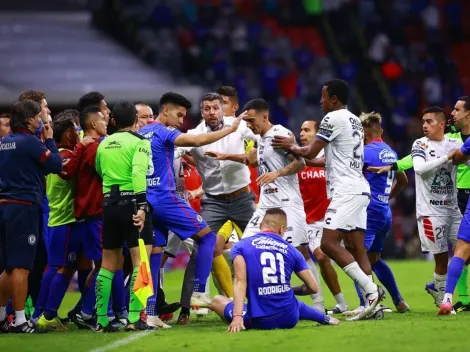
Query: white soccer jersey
[[436, 191], [344, 153], [285, 190]]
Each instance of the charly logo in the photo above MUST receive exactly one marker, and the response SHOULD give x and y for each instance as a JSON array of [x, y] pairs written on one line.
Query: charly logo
[[387, 156], [31, 239]]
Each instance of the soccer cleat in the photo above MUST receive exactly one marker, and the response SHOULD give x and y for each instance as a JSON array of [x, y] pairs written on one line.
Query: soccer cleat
[[402, 307], [437, 295], [166, 317], [183, 319], [445, 308], [373, 299], [25, 328], [200, 300], [155, 322], [51, 325], [354, 312], [139, 325], [336, 310], [82, 323], [201, 312], [118, 323], [331, 320], [102, 329], [460, 307], [5, 326]]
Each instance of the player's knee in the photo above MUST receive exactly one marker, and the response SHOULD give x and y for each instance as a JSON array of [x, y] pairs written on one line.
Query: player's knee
[[322, 258]]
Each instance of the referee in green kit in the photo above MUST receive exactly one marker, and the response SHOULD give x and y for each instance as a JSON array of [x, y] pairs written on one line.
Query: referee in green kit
[[122, 160]]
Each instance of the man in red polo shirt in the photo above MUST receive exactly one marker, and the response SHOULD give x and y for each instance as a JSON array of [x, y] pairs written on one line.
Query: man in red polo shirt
[[312, 183]]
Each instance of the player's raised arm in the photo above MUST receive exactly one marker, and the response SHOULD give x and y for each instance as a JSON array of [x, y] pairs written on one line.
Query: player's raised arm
[[239, 294], [461, 156]]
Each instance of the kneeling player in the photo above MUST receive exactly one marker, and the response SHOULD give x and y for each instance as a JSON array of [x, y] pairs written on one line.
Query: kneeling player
[[263, 266]]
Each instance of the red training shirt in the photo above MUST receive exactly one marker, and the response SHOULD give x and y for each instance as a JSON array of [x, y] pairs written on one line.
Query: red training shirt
[[312, 182], [192, 181]]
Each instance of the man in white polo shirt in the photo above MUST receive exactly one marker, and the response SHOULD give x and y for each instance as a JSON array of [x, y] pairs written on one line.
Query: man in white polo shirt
[[226, 184]]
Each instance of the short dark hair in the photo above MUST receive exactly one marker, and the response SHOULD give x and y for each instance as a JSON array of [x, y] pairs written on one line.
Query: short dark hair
[[23, 111], [124, 114], [75, 114], [85, 115], [338, 88], [175, 99], [5, 116], [61, 124], [466, 100], [229, 92], [92, 98], [34, 95], [212, 97], [275, 211], [257, 104], [435, 110]]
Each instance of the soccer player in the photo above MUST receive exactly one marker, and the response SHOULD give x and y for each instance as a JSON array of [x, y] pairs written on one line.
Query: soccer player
[[144, 114], [462, 248], [263, 265], [97, 99], [24, 160], [40, 98], [341, 135], [169, 211], [122, 161], [63, 243], [383, 187], [4, 125], [312, 184], [437, 209]]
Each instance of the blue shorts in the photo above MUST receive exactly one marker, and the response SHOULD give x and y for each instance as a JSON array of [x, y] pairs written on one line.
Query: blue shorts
[[91, 235], [45, 228], [19, 235], [464, 229], [63, 245], [282, 320], [174, 214], [377, 229]]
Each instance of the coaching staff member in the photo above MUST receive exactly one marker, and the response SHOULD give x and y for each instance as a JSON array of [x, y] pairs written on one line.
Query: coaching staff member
[[24, 160], [122, 161]]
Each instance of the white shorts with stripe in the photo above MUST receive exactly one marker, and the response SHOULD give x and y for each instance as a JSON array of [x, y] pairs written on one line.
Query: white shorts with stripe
[[436, 231]]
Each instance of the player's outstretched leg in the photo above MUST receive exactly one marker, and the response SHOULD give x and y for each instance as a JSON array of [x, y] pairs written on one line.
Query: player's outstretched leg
[[206, 240], [386, 277], [309, 313], [462, 290]]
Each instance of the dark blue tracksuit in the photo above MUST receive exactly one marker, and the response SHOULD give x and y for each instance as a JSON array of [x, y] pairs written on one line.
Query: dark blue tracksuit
[[24, 160]]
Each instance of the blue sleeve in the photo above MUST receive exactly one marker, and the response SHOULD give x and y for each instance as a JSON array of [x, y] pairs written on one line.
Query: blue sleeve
[[465, 149], [367, 156], [45, 154], [171, 134], [236, 250], [300, 263]]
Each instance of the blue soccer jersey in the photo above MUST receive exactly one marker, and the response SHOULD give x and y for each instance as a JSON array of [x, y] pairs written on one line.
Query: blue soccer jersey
[[161, 175], [270, 262], [379, 153], [465, 149]]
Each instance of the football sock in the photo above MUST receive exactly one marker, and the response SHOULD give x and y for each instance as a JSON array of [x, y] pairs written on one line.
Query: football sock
[[3, 313], [59, 285], [317, 297], [134, 304], [385, 276], [20, 318], [104, 282], [309, 313], [357, 275], [119, 294], [89, 301], [44, 291], [462, 286], [454, 272], [203, 261], [221, 271], [362, 303], [155, 261]]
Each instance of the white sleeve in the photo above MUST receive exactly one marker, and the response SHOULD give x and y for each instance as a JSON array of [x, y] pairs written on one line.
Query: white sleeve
[[422, 166], [330, 127]]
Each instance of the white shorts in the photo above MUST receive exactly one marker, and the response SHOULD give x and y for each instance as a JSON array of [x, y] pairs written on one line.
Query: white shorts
[[347, 212], [436, 231], [314, 234], [296, 232], [174, 244]]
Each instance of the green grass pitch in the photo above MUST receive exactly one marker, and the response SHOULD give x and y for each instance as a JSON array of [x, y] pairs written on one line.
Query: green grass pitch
[[419, 330]]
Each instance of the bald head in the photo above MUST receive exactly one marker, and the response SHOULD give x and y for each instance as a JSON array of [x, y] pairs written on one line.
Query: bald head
[[275, 221]]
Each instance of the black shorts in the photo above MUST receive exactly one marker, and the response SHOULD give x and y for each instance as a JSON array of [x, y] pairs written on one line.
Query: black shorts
[[462, 199], [19, 235], [118, 226]]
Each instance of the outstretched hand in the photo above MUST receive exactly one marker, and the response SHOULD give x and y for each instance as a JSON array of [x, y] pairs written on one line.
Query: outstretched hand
[[286, 143], [237, 121]]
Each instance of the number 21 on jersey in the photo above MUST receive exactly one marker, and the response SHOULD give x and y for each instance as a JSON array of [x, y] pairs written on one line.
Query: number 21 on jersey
[[273, 268]]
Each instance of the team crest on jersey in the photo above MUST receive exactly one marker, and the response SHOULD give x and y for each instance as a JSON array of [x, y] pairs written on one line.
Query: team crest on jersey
[[72, 257], [442, 182], [32, 240], [199, 218], [387, 156]]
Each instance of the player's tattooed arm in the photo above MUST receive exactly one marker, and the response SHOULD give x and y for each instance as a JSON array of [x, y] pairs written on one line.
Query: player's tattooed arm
[[247, 159], [239, 294], [317, 162], [296, 165], [307, 152]]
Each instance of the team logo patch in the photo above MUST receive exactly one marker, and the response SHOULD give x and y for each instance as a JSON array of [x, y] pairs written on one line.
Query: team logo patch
[[31, 239], [72, 257], [199, 218]]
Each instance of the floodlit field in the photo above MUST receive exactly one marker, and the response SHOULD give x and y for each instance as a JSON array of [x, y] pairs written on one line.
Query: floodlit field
[[419, 330]]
